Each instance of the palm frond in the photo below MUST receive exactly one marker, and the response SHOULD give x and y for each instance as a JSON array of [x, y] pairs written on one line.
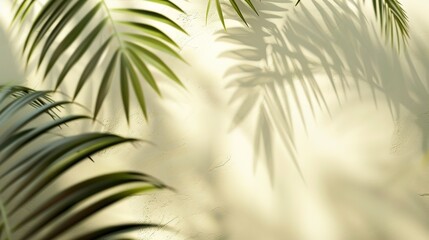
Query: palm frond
[[31, 161], [236, 5], [130, 37], [393, 20]]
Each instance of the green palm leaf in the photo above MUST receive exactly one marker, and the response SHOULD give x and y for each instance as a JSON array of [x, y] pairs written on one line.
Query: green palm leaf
[[30, 161], [77, 26], [393, 20], [235, 5]]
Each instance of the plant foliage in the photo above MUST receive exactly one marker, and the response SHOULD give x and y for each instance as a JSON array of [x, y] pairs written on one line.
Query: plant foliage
[[393, 19], [31, 207], [236, 5], [130, 42]]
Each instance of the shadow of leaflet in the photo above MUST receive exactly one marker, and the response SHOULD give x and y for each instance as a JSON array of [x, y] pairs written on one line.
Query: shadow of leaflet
[[276, 62]]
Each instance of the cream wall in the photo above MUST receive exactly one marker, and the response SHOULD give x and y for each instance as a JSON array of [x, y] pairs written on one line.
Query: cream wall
[[362, 159]]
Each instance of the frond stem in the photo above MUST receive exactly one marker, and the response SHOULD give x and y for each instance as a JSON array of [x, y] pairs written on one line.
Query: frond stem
[[115, 30]]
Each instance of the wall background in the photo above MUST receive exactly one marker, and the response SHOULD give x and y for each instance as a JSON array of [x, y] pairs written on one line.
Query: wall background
[[362, 153]]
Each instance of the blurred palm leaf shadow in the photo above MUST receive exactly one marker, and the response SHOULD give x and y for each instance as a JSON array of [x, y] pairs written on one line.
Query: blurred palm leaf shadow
[[390, 13], [278, 64]]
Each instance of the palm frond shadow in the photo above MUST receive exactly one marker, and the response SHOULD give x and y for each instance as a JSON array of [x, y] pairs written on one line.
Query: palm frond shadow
[[8, 66], [418, 96], [253, 81], [279, 67]]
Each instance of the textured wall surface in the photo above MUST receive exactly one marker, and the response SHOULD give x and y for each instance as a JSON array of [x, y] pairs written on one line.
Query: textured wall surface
[[316, 86]]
